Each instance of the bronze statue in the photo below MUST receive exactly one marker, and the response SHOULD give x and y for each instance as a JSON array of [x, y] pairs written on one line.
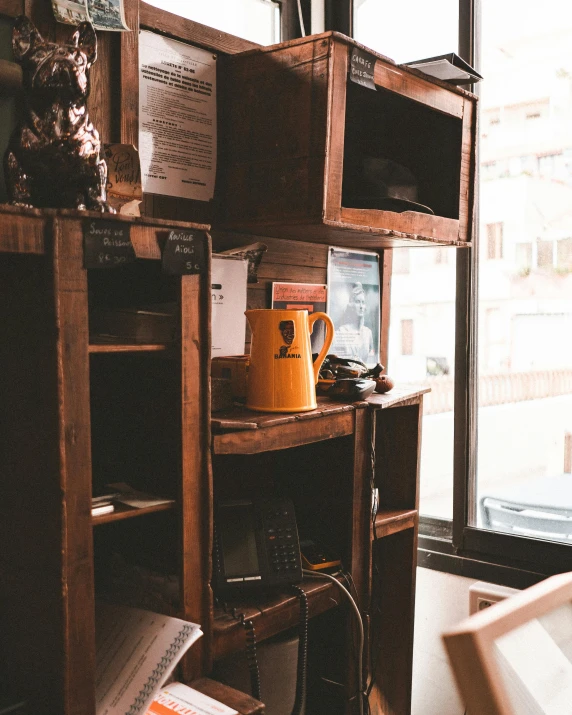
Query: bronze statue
[[52, 160]]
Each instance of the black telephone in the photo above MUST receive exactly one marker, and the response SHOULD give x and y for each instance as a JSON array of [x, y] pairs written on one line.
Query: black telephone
[[256, 544]]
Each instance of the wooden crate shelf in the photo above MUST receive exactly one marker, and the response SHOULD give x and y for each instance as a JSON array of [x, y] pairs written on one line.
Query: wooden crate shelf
[[270, 616], [299, 140]]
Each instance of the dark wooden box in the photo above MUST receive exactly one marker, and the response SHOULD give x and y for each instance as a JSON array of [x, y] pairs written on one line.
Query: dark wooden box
[[295, 135]]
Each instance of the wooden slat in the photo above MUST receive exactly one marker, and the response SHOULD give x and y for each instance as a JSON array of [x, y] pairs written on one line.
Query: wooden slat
[[19, 234], [123, 511], [126, 348], [240, 418], [468, 171], [391, 521], [343, 234], [23, 230], [129, 76], [412, 223], [280, 251], [385, 269], [360, 543], [419, 88], [70, 294], [31, 509], [196, 487], [393, 596], [338, 70], [180, 28], [399, 396]]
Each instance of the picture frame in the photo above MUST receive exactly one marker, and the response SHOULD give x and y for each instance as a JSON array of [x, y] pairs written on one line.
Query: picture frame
[[515, 658]]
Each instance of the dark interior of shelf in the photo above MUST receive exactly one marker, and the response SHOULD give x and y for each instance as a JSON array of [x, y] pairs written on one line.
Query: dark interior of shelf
[[136, 286], [320, 491], [384, 125], [136, 562], [327, 669], [135, 423]]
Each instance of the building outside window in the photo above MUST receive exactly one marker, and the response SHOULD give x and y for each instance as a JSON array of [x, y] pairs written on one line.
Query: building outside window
[[494, 240]]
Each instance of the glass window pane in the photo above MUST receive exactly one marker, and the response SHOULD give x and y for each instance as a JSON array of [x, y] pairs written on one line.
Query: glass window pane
[[254, 20], [524, 485], [422, 321], [422, 351], [407, 30]]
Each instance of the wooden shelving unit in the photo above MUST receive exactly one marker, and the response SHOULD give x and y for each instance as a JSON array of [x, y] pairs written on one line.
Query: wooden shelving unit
[[322, 460], [78, 410], [75, 415]]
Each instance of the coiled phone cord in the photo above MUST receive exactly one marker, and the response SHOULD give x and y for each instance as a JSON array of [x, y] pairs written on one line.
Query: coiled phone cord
[[251, 655], [302, 667]]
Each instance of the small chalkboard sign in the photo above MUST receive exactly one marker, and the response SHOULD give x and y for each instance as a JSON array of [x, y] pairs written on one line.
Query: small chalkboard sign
[[362, 67], [184, 253], [107, 244]]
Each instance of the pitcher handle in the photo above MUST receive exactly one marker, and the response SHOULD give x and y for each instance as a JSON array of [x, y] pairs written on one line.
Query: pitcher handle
[[327, 340]]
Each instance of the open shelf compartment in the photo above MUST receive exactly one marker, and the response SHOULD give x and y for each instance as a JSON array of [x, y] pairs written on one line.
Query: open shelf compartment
[[307, 154]]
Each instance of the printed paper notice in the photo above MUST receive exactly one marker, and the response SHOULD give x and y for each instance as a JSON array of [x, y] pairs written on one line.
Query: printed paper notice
[[177, 118]]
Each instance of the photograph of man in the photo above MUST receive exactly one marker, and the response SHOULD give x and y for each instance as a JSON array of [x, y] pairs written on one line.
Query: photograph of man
[[353, 337]]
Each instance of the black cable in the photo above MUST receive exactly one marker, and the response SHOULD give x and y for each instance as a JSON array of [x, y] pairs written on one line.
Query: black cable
[[302, 667], [251, 656]]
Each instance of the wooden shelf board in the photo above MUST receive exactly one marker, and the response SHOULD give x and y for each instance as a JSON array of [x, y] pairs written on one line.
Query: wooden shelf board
[[243, 431], [243, 703], [23, 230], [399, 396], [271, 615], [122, 511], [125, 347], [391, 521]]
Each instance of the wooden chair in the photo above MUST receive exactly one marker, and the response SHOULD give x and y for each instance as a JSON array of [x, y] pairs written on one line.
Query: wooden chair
[[515, 658]]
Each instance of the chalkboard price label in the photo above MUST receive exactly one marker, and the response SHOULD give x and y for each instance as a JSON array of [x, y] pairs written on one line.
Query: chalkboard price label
[[107, 244], [362, 67], [184, 253]]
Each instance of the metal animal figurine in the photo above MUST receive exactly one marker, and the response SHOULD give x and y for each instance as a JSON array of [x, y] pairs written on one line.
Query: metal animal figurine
[[53, 160]]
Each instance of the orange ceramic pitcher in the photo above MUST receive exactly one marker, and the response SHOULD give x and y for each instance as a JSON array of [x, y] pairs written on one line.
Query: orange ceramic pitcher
[[281, 376]]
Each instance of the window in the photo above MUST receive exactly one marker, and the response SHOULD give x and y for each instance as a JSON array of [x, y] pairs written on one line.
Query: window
[[498, 420], [401, 262], [407, 337], [254, 20], [494, 240], [523, 257], [544, 253]]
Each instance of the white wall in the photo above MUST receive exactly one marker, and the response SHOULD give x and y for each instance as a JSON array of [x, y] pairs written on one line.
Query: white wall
[[442, 600]]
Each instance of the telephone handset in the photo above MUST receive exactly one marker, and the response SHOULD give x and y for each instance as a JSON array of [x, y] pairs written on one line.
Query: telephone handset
[[256, 544]]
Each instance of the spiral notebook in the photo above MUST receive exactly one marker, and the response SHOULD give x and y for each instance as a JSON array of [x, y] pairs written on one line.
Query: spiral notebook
[[136, 652]]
